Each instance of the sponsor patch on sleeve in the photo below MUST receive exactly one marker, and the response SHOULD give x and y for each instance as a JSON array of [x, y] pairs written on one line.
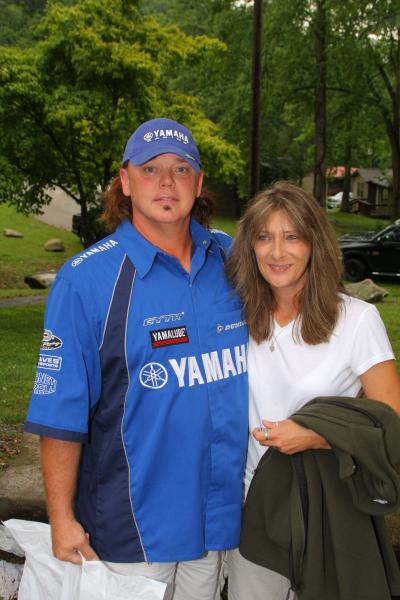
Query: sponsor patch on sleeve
[[44, 384], [50, 341], [169, 337], [52, 363]]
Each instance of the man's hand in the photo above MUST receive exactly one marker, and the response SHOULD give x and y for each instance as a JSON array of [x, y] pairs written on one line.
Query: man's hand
[[60, 461], [289, 437], [70, 542]]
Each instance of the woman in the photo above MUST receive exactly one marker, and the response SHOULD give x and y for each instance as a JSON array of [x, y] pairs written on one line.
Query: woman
[[308, 339]]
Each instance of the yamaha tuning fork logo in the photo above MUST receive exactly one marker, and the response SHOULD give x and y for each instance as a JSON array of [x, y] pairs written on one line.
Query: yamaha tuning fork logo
[[153, 375]]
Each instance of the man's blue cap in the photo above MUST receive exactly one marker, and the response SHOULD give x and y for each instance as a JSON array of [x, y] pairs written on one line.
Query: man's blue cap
[[161, 136]]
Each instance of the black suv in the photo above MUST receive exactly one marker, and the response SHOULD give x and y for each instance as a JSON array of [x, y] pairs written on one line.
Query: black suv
[[376, 253]]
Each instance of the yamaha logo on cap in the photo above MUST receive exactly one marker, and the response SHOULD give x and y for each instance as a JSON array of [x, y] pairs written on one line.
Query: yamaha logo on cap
[[165, 134]]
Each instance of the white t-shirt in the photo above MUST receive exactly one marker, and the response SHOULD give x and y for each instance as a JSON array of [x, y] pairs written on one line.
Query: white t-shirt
[[283, 380]]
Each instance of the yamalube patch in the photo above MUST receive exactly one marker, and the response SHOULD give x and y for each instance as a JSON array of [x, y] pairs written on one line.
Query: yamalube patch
[[169, 337]]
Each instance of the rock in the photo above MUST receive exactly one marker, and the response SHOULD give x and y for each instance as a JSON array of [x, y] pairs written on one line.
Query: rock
[[367, 290], [12, 233], [54, 245], [40, 281]]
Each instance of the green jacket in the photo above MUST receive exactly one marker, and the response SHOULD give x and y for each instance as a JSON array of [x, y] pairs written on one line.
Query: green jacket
[[316, 517]]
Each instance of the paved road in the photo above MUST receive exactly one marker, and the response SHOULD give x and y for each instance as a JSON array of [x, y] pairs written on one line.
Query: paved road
[[60, 210]]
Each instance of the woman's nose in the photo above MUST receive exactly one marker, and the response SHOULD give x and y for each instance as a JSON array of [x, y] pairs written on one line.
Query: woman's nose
[[278, 248]]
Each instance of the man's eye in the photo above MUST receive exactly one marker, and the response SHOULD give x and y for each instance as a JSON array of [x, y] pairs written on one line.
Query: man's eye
[[149, 169], [182, 169]]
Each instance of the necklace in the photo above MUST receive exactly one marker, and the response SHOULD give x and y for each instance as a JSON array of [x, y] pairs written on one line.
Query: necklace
[[274, 338]]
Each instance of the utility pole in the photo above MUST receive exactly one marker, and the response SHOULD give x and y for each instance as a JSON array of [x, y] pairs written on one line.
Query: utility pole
[[256, 100]]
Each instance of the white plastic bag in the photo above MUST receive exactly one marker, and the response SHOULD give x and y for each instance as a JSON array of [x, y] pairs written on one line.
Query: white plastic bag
[[47, 578]]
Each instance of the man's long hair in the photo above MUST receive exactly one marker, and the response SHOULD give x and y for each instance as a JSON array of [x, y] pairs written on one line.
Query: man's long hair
[[319, 300]]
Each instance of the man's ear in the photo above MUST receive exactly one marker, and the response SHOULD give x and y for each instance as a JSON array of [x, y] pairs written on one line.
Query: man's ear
[[199, 183], [124, 176]]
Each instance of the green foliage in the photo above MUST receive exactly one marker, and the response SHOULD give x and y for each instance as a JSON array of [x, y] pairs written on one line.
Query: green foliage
[[222, 84], [69, 103], [162, 52], [17, 21]]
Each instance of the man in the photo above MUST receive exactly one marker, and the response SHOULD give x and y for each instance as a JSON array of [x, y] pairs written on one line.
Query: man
[[140, 396]]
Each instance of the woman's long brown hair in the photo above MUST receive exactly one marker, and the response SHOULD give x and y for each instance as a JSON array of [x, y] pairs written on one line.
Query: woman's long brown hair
[[319, 301]]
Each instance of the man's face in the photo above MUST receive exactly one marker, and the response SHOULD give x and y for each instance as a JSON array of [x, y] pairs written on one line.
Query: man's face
[[162, 190]]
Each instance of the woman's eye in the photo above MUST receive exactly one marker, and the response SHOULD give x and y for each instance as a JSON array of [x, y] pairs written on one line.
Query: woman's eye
[[292, 236], [263, 236]]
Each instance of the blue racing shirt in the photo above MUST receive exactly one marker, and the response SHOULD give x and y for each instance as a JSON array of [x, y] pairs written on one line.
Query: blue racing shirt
[[145, 364]]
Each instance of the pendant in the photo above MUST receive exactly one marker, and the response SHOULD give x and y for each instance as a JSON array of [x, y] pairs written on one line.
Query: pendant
[[272, 347]]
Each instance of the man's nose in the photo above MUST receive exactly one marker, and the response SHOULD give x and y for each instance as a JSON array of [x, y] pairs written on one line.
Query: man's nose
[[166, 178]]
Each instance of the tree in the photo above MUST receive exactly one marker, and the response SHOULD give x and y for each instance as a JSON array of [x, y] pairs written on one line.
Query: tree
[[383, 51], [68, 103], [324, 99]]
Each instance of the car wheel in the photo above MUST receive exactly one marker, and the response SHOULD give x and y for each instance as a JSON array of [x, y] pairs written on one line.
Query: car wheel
[[354, 269]]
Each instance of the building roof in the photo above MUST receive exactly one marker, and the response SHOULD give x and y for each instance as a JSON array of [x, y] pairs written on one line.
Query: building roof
[[339, 171], [376, 176]]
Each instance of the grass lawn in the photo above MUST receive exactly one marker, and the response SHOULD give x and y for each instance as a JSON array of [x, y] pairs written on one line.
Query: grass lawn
[[350, 223], [20, 257], [22, 328]]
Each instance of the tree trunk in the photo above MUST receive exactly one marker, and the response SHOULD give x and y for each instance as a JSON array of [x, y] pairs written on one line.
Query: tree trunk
[[256, 100], [395, 142], [320, 103], [391, 117], [395, 148], [346, 202]]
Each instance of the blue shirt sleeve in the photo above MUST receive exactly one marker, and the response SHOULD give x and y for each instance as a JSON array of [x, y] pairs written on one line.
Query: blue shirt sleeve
[[68, 380]]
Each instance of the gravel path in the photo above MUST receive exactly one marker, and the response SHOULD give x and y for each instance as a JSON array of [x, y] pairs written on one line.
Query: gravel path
[[22, 301]]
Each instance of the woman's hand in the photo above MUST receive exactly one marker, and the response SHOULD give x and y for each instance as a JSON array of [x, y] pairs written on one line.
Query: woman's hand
[[289, 437]]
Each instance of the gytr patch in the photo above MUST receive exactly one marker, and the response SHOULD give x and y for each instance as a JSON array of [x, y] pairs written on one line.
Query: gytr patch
[[169, 337], [50, 341], [52, 363], [44, 384]]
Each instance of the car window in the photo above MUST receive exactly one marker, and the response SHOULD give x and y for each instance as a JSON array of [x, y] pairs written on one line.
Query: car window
[[393, 235]]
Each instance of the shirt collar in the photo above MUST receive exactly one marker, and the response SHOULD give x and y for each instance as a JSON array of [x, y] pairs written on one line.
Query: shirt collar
[[143, 253]]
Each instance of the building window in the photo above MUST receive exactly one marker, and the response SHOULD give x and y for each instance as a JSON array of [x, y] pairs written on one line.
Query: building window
[[360, 190], [379, 196]]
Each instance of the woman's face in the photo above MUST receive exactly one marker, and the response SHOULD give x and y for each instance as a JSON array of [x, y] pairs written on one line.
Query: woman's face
[[282, 256]]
